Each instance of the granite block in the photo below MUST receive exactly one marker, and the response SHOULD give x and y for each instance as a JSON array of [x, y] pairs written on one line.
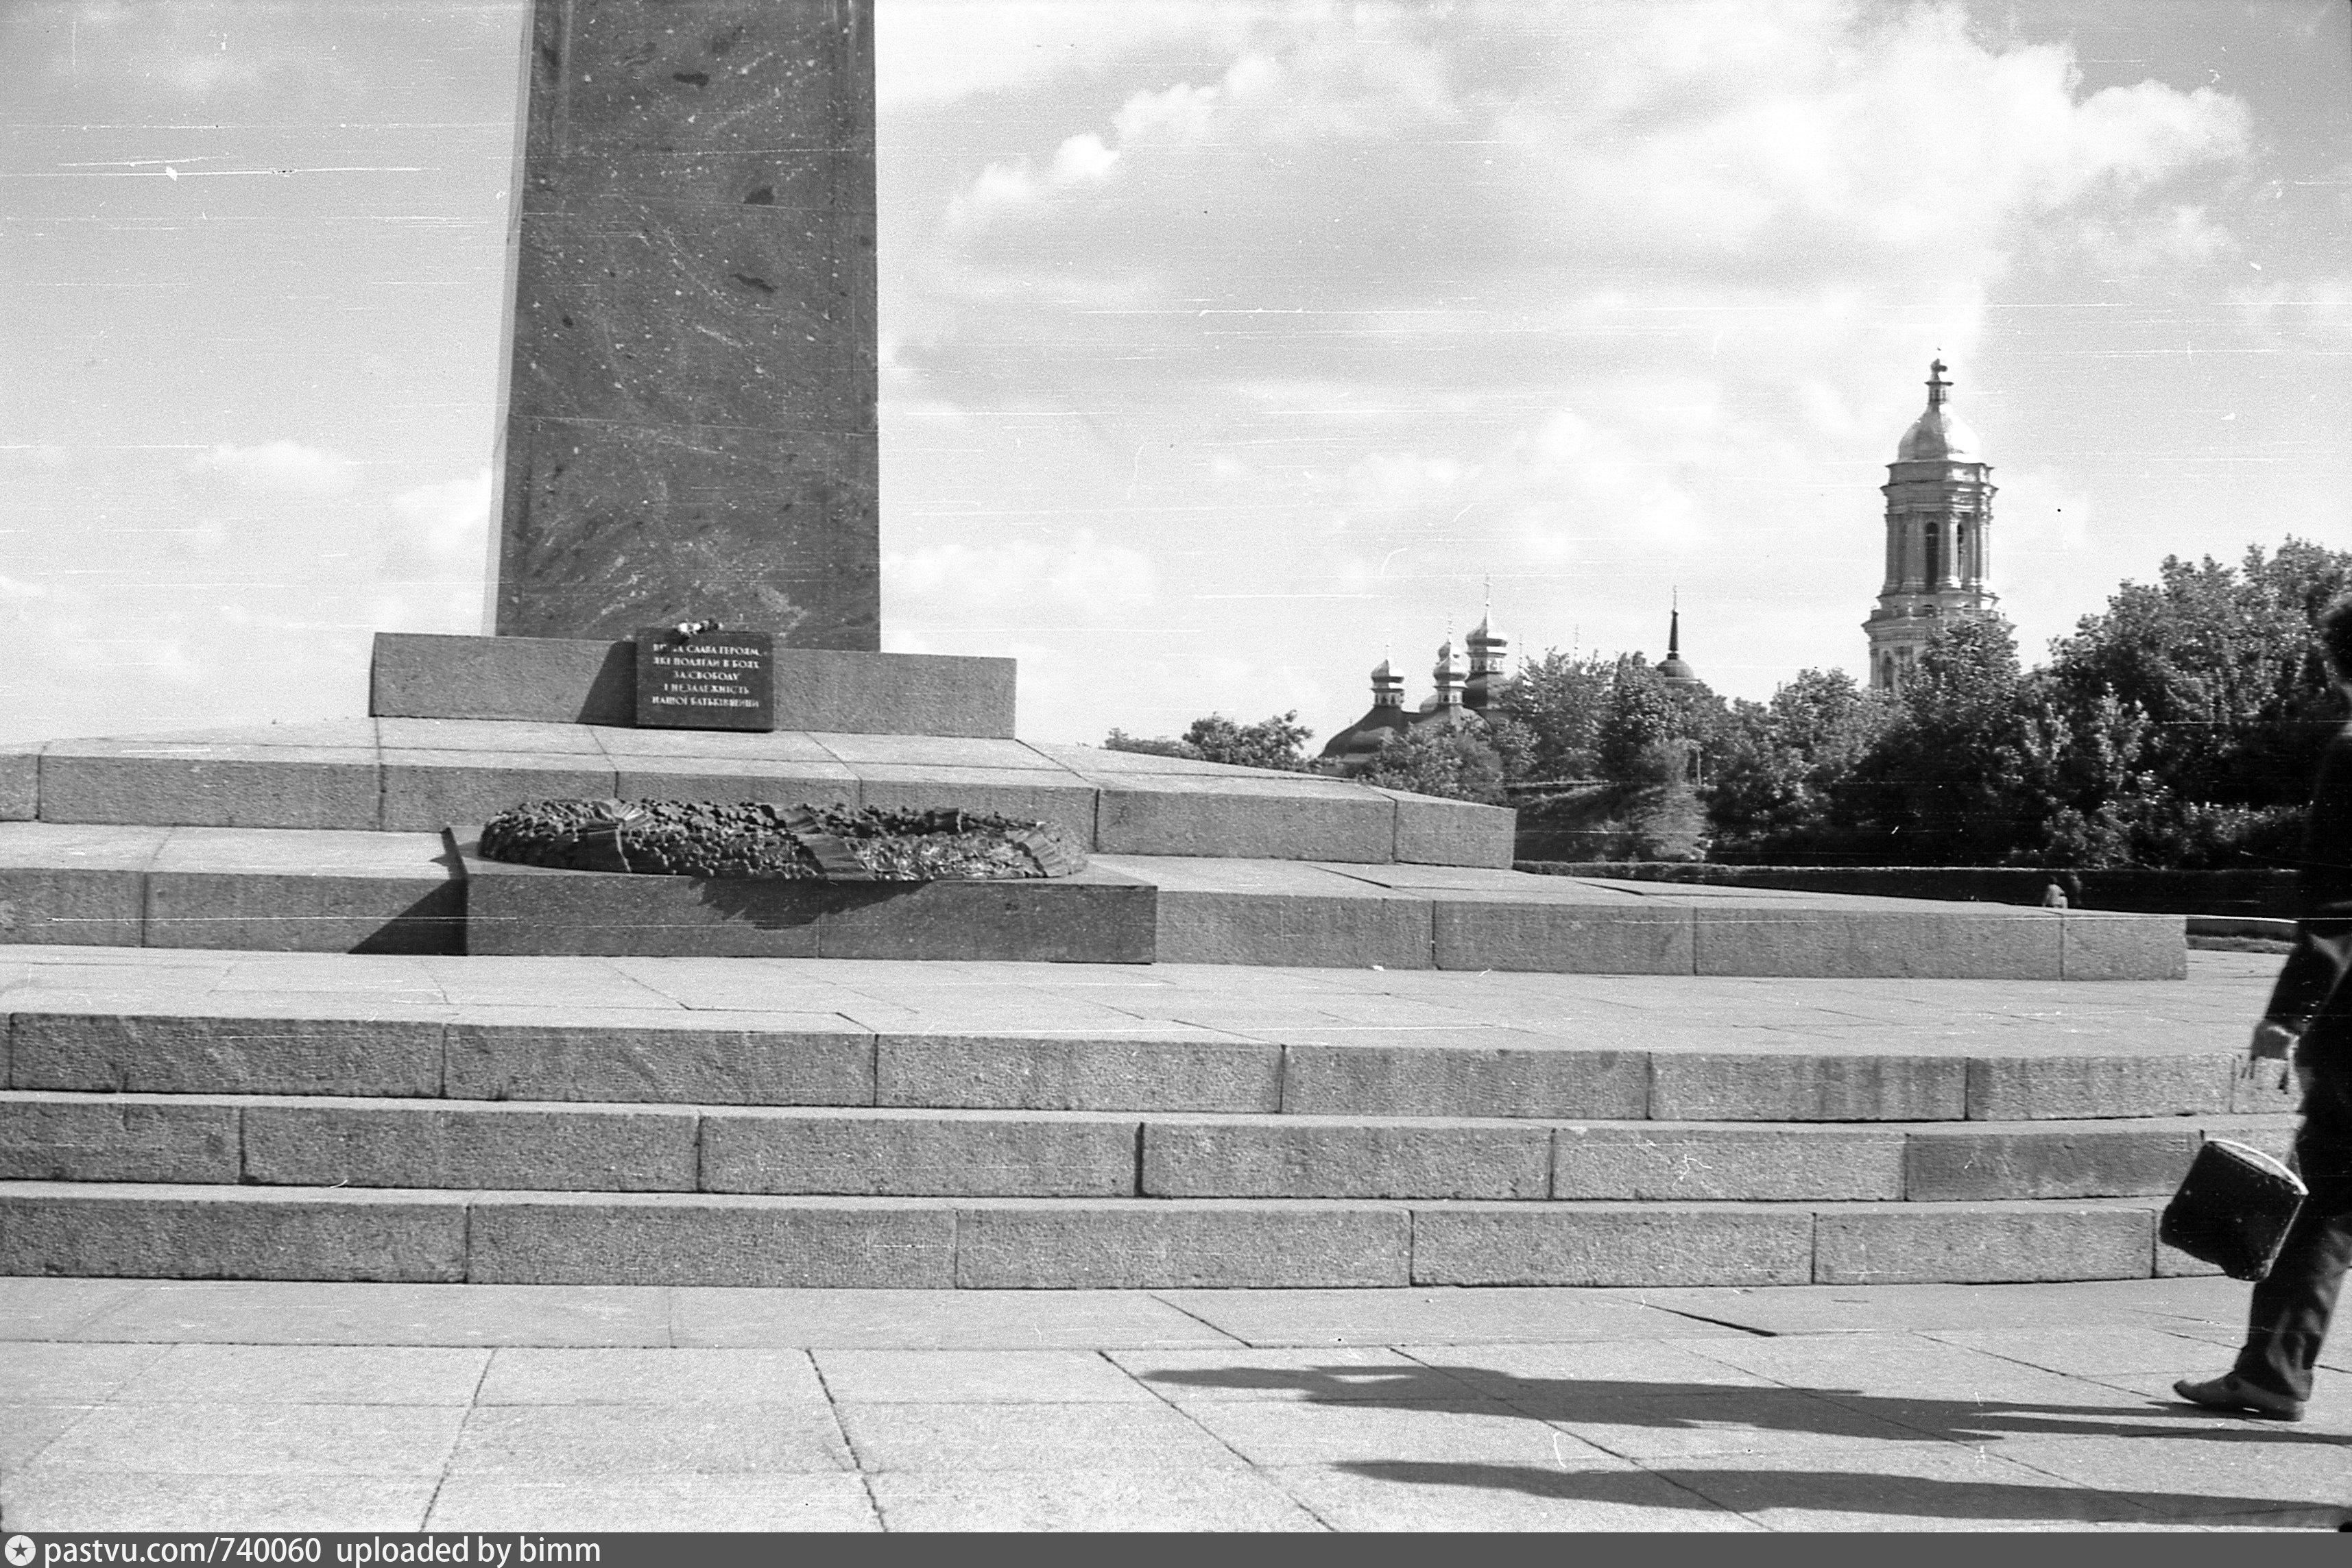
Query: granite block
[[2172, 1264], [1705, 1086], [424, 791], [894, 693], [1136, 1244], [212, 785], [645, 1062], [264, 912], [1093, 916], [614, 525], [953, 751], [20, 783], [1693, 1162], [688, 748], [113, 1137], [1463, 1081], [1027, 794], [540, 737], [1300, 1157], [1299, 930], [1247, 816], [2272, 1093], [548, 680], [1047, 1072], [74, 906], [731, 778], [1431, 831], [423, 1144], [1090, 917], [718, 346], [1981, 1243], [907, 1153], [2047, 1088], [1563, 938], [1776, 938], [660, 1238], [224, 1054], [2124, 946], [1612, 1245], [445, 693], [230, 1233], [2009, 1160], [1100, 763], [520, 910]]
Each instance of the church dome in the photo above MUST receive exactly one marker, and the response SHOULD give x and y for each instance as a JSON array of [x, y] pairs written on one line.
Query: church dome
[[1939, 434]]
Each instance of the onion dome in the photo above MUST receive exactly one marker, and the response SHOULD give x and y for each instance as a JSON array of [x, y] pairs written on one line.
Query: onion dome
[[1352, 745]]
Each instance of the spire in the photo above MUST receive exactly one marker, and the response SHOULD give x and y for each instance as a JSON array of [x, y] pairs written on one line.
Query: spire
[[1937, 385], [1674, 669]]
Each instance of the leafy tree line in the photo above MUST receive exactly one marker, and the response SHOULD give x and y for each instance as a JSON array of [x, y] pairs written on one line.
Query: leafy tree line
[[2179, 726]]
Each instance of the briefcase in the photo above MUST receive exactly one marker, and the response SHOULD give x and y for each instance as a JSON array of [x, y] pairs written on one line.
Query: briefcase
[[2233, 1209]]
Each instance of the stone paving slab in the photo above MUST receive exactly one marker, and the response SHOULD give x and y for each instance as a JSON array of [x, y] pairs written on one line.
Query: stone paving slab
[[2205, 1017], [1386, 1410]]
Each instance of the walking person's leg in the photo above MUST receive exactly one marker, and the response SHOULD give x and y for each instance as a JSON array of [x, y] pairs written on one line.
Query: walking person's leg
[[2287, 1320]]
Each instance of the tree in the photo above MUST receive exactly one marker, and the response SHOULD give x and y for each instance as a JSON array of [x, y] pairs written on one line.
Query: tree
[[1547, 722], [2219, 661], [1638, 717], [1779, 765], [1277, 743], [1437, 759], [1947, 780]]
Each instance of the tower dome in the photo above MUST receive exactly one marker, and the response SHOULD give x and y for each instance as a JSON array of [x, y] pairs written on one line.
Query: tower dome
[[1939, 434]]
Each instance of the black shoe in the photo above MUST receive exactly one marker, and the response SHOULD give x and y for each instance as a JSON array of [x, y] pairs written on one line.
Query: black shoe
[[2233, 1394]]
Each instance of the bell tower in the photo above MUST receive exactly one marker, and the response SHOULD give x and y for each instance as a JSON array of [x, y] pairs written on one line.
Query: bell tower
[[1939, 536]]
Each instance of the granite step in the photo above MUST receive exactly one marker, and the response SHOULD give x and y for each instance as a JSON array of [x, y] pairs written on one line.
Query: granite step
[[981, 1049], [545, 1145], [193, 1231], [320, 890], [419, 775]]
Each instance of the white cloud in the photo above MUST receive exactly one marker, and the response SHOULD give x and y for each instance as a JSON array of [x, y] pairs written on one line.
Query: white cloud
[[281, 465], [1081, 578], [446, 524]]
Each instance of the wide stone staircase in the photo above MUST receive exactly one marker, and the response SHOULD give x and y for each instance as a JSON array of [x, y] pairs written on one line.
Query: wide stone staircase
[[268, 1016], [798, 1122]]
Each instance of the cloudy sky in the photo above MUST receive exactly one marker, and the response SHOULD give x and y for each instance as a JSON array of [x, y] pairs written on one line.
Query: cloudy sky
[[1227, 346]]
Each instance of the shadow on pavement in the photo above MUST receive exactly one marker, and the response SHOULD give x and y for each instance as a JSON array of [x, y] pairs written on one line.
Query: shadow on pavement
[[1751, 1492], [1831, 1412], [1579, 1405]]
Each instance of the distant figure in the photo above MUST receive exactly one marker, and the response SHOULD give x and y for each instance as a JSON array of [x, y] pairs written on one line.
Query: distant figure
[[2053, 897], [2309, 1025]]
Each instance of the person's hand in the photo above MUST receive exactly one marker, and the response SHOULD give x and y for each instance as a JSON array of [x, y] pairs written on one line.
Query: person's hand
[[2273, 1041]]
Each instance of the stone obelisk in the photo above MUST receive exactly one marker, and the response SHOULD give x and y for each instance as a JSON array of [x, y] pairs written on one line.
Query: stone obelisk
[[689, 428]]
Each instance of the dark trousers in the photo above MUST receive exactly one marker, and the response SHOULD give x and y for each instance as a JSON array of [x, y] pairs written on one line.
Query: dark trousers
[[2288, 1322]]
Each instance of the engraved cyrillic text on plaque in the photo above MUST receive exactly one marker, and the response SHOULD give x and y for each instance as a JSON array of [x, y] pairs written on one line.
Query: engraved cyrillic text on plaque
[[705, 677]]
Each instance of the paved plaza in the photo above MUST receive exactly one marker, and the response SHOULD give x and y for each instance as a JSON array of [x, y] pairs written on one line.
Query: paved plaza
[[134, 1404]]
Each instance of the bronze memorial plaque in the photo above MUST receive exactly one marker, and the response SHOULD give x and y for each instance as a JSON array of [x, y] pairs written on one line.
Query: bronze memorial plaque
[[699, 675]]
